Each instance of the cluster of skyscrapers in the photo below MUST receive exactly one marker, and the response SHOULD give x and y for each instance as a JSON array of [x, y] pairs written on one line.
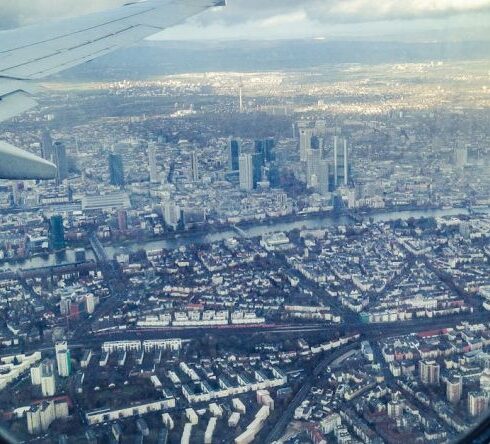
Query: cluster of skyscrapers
[[254, 169], [327, 165]]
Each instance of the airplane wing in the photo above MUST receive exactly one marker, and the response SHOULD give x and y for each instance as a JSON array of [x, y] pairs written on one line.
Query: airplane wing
[[34, 52]]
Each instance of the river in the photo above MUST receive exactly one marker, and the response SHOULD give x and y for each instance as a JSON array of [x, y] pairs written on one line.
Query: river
[[312, 222]]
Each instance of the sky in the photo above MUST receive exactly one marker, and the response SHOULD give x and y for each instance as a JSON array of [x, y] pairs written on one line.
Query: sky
[[273, 19]]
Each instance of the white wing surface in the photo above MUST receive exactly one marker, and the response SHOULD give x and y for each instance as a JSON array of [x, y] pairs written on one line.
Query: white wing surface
[[33, 52]]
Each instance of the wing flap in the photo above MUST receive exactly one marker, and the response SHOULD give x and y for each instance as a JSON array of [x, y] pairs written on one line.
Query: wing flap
[[15, 98], [14, 104], [17, 164]]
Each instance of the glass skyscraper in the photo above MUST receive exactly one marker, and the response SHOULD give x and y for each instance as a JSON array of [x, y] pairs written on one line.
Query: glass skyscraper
[[234, 155], [116, 169], [56, 233]]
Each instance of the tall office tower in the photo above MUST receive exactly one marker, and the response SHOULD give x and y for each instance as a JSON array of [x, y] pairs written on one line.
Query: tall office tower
[[257, 163], [265, 147], [63, 359], [323, 173], [313, 159], [454, 389], [194, 167], [240, 98], [305, 135], [477, 403], [341, 162], [172, 214], [116, 169], [429, 372], [56, 232], [246, 172], [260, 150], [233, 154], [122, 220], [61, 162], [317, 172], [270, 154], [346, 164], [152, 163], [46, 146], [48, 384], [259, 156], [17, 188]]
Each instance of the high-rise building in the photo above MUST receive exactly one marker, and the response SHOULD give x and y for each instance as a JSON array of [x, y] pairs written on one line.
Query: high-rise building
[[317, 172], [60, 160], [270, 145], [172, 214], [48, 384], [17, 189], [40, 416], [46, 146], [265, 147], [454, 389], [341, 162], [395, 408], [36, 374], [233, 155], [194, 167], [477, 403], [63, 359], [116, 169], [90, 303], [56, 233], [250, 171], [305, 135], [152, 163], [429, 372], [240, 98], [246, 172], [257, 163], [312, 162]]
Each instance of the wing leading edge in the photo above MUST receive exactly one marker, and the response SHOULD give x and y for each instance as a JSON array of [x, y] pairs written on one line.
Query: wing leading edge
[[35, 52]]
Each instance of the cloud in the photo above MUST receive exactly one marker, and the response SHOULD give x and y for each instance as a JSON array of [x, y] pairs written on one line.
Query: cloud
[[369, 10], [271, 18], [18, 12], [24, 12], [343, 11]]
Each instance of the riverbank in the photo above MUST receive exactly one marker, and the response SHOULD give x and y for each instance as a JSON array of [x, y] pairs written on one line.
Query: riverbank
[[251, 229]]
